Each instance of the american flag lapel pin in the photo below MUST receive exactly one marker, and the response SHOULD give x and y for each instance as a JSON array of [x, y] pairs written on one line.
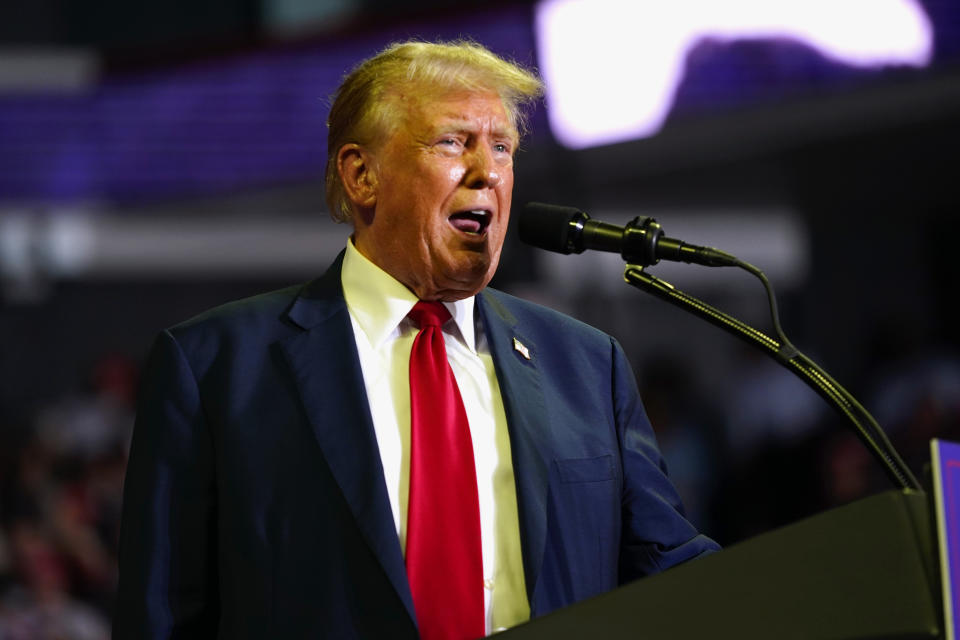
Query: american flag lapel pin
[[521, 348]]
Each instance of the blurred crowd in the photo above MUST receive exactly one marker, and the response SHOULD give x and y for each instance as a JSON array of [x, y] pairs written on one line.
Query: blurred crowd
[[769, 451], [753, 452], [61, 476]]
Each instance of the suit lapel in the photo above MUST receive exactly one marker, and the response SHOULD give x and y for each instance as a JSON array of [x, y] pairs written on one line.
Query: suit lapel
[[519, 380], [327, 369], [325, 364]]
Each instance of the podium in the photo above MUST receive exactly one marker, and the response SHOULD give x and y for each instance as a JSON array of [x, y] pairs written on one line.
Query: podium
[[865, 570]]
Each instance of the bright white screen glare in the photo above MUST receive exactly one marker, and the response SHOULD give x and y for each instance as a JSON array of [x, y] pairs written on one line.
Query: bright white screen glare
[[612, 67]]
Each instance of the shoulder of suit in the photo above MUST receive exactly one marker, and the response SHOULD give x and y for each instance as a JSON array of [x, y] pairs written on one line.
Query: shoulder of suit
[[267, 313], [256, 314]]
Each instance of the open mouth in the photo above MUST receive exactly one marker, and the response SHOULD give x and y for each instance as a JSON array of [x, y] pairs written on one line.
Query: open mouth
[[473, 222]]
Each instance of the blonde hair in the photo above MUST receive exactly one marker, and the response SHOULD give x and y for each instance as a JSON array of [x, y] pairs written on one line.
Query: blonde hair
[[364, 109]]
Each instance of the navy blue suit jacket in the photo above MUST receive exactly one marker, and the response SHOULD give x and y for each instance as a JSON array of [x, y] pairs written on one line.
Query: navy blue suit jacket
[[255, 504]]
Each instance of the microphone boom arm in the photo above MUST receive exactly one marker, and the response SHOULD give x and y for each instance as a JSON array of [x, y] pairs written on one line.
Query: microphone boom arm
[[864, 425]]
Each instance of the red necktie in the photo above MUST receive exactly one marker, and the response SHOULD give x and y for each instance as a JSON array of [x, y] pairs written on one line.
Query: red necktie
[[444, 557]]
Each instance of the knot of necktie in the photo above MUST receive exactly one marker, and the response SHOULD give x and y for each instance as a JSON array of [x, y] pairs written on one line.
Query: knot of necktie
[[429, 314]]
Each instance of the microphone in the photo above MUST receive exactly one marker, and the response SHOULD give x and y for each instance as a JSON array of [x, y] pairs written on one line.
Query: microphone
[[641, 242]]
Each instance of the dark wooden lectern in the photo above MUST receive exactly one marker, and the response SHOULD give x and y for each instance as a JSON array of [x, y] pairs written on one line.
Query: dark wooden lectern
[[865, 570]]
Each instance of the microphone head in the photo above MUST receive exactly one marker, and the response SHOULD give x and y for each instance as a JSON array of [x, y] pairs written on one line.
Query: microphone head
[[549, 226]]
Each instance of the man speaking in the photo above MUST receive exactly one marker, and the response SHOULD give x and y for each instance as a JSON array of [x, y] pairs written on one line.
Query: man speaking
[[394, 450]]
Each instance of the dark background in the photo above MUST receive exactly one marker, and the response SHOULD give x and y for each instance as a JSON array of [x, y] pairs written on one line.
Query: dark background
[[192, 120]]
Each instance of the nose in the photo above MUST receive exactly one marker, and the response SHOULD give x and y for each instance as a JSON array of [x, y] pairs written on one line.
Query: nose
[[482, 171]]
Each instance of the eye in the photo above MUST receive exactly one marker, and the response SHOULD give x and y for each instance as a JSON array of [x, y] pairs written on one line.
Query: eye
[[501, 147], [449, 142]]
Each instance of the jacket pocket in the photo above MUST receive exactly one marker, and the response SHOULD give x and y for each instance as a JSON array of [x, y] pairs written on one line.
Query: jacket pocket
[[596, 469]]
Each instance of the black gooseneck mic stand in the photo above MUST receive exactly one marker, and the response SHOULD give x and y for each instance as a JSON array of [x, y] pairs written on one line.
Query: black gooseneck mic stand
[[643, 254]]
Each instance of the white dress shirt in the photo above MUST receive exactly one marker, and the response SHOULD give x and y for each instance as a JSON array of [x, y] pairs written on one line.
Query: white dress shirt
[[378, 306]]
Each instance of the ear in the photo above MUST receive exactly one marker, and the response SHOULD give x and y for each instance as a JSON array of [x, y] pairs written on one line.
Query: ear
[[358, 175]]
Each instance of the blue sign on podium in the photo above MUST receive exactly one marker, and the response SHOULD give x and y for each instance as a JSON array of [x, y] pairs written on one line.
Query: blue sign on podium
[[945, 457]]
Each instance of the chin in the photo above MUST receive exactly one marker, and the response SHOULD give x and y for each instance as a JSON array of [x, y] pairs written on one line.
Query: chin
[[465, 285], [464, 274]]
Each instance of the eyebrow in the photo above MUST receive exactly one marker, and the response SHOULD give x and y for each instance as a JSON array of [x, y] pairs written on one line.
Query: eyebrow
[[461, 125]]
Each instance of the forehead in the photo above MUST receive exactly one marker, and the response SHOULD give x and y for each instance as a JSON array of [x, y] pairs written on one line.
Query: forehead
[[469, 109]]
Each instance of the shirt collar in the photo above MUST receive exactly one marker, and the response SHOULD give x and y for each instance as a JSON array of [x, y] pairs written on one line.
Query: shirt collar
[[379, 302]]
